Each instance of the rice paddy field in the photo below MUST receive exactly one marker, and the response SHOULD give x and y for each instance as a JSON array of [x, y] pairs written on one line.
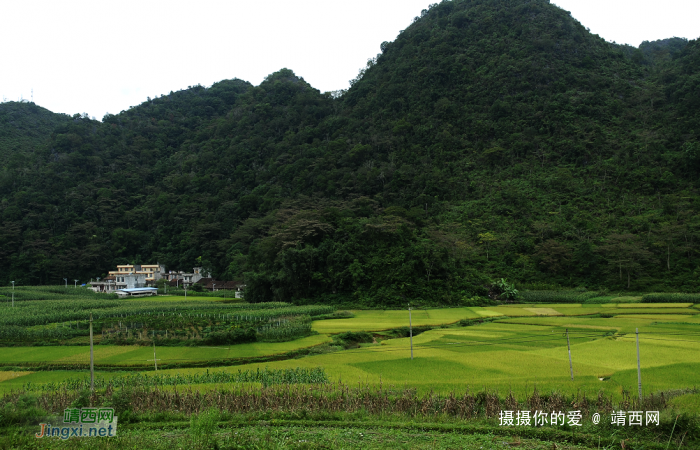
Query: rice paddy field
[[508, 350], [516, 348]]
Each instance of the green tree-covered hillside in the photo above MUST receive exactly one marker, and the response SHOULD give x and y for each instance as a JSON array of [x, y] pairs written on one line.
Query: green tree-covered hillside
[[24, 126]]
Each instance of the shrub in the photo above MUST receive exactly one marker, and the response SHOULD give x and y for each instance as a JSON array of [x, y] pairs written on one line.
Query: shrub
[[234, 336], [351, 339], [196, 287], [671, 298], [477, 301], [508, 291], [203, 425], [568, 296]]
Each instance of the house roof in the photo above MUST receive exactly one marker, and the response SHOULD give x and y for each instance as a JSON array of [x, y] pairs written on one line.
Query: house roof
[[144, 289]]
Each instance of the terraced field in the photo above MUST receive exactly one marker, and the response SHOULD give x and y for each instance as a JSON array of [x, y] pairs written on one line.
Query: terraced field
[[515, 348]]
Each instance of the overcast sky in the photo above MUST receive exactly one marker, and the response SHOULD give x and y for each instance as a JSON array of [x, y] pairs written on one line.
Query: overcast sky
[[98, 57]]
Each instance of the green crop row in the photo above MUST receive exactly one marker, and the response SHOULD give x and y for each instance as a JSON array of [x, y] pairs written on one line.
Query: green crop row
[[285, 332], [122, 321], [671, 298], [15, 333], [29, 293], [42, 312], [179, 292], [30, 313], [299, 375], [189, 317], [280, 330]]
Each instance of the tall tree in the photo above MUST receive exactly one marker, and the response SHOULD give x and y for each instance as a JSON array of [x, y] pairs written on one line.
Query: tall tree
[[626, 252]]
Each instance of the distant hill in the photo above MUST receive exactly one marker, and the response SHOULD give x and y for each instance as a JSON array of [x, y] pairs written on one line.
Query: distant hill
[[491, 139], [24, 126]]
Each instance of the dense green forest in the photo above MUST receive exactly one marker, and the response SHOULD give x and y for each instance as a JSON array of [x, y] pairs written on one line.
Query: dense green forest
[[492, 139], [24, 126]]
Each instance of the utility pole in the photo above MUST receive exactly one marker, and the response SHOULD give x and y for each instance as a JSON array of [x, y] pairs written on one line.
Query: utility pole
[[13, 294], [639, 370], [92, 361], [155, 361], [410, 329], [568, 345]]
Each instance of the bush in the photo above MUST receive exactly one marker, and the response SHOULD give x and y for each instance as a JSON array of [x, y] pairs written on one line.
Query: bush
[[477, 301], [539, 286], [404, 332], [203, 425], [351, 339], [479, 321], [568, 296], [196, 287], [508, 291], [671, 298], [234, 336], [23, 411]]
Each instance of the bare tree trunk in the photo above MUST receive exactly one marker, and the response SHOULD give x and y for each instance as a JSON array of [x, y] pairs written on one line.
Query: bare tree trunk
[[628, 279], [668, 257]]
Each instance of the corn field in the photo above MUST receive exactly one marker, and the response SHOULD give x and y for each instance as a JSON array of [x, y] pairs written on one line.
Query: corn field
[[285, 328], [30, 313], [33, 293], [119, 321], [21, 334], [270, 325]]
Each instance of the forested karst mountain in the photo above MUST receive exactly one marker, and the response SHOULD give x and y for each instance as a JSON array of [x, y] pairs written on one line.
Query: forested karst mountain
[[490, 139], [24, 126]]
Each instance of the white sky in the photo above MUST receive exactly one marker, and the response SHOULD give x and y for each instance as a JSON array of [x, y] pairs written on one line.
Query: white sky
[[98, 56]]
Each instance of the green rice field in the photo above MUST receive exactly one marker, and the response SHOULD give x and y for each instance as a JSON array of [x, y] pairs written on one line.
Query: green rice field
[[506, 356], [143, 355], [514, 356], [516, 348]]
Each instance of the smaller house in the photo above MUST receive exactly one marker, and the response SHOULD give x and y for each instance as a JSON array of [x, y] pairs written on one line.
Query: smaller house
[[133, 280], [106, 285], [186, 279], [114, 283]]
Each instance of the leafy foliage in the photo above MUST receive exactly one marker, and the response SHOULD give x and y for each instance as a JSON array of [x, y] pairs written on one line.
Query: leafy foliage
[[507, 290], [671, 298], [569, 296]]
